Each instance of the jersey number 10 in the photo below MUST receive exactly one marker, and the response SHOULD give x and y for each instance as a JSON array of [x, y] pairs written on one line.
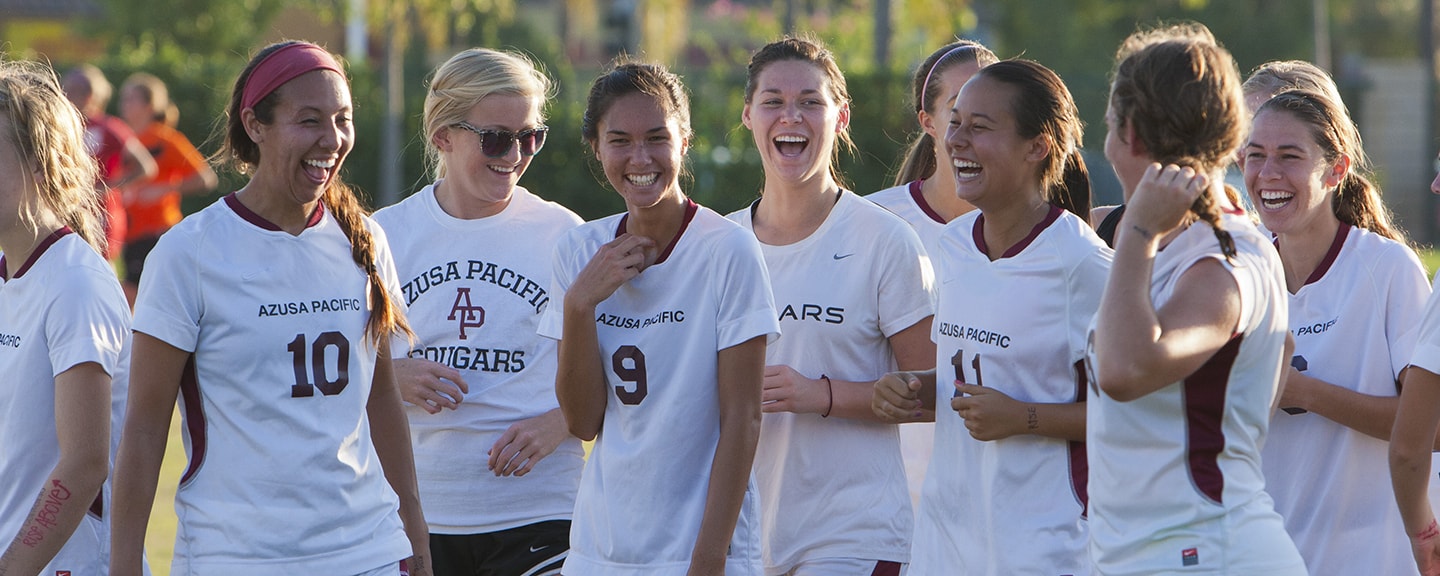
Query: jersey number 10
[[322, 344]]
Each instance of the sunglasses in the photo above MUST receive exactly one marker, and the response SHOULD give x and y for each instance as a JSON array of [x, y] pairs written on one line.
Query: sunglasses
[[497, 143]]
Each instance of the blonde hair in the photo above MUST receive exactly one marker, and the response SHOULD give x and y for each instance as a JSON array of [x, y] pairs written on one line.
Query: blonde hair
[[466, 79], [49, 135]]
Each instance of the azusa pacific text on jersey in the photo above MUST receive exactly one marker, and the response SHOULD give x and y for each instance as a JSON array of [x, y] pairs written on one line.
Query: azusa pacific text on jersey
[[512, 281], [291, 308], [675, 316]]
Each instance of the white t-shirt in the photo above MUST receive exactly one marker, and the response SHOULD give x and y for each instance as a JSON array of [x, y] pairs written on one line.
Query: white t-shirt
[[1016, 324], [474, 291], [642, 495], [1355, 322], [917, 439], [1175, 481], [282, 469], [61, 308], [835, 487]]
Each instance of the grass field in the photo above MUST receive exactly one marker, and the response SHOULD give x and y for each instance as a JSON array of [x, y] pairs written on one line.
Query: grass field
[[160, 540]]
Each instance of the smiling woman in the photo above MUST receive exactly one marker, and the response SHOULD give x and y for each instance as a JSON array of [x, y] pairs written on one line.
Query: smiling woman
[[663, 317], [818, 380], [255, 399]]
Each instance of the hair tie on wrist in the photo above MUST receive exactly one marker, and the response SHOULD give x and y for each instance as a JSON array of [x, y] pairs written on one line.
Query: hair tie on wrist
[[831, 389]]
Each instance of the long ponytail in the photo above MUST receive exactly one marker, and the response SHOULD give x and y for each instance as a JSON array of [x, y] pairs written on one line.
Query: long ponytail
[[385, 316]]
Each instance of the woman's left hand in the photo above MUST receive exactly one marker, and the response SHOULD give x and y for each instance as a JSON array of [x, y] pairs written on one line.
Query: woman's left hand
[[527, 442], [785, 390], [1162, 198], [989, 414]]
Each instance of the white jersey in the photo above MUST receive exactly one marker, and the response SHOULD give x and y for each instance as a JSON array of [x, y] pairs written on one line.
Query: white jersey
[[1175, 481], [282, 470], [835, 487], [1017, 324], [1354, 322], [917, 439], [474, 290], [61, 308], [644, 489]]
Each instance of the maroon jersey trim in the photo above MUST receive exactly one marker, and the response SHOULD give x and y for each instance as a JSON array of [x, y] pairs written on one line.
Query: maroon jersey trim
[[1204, 394], [978, 232], [690, 209], [194, 417], [886, 568], [1079, 464], [250, 216], [1340, 235], [34, 256], [918, 195]]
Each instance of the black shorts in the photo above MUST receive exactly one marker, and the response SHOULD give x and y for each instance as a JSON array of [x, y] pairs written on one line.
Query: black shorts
[[134, 253], [533, 550]]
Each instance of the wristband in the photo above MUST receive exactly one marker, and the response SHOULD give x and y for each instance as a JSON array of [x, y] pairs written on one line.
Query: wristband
[[829, 387]]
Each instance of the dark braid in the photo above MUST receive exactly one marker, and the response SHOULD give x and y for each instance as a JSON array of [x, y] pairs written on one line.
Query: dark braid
[[385, 316], [1208, 211]]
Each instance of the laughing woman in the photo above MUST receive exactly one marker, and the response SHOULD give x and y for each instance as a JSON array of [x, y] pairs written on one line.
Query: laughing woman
[[825, 510]]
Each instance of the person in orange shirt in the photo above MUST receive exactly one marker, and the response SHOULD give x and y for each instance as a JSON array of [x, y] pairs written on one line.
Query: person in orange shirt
[[153, 205]]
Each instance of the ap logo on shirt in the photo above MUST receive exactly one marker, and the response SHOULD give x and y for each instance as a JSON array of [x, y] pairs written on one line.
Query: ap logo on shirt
[[470, 315]]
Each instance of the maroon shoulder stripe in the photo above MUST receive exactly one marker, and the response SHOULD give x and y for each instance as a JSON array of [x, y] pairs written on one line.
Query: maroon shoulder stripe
[[1204, 393]]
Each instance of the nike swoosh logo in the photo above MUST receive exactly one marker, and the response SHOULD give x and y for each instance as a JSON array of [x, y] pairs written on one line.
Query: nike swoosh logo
[[534, 549], [840, 257]]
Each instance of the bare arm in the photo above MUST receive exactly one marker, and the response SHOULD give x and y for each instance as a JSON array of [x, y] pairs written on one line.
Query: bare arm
[[739, 377], [1416, 424], [1141, 349], [788, 391], [580, 379], [390, 432], [155, 370], [82, 404], [139, 165], [1373, 416]]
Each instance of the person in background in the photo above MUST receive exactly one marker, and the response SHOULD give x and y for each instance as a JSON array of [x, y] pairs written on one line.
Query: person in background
[[121, 157], [152, 205]]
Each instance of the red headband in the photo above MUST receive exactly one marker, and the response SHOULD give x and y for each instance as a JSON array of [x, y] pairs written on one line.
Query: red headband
[[282, 66]]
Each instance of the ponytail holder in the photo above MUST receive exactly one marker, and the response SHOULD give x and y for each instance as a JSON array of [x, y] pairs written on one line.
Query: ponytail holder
[[282, 66]]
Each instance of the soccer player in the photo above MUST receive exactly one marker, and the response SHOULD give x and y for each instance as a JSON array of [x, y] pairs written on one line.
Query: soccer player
[[1018, 282], [64, 334], [1189, 342], [1356, 293], [662, 313], [924, 196], [498, 470], [269, 314], [1416, 424], [821, 512]]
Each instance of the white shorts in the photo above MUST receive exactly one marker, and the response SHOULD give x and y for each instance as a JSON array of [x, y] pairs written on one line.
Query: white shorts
[[391, 569], [86, 552]]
